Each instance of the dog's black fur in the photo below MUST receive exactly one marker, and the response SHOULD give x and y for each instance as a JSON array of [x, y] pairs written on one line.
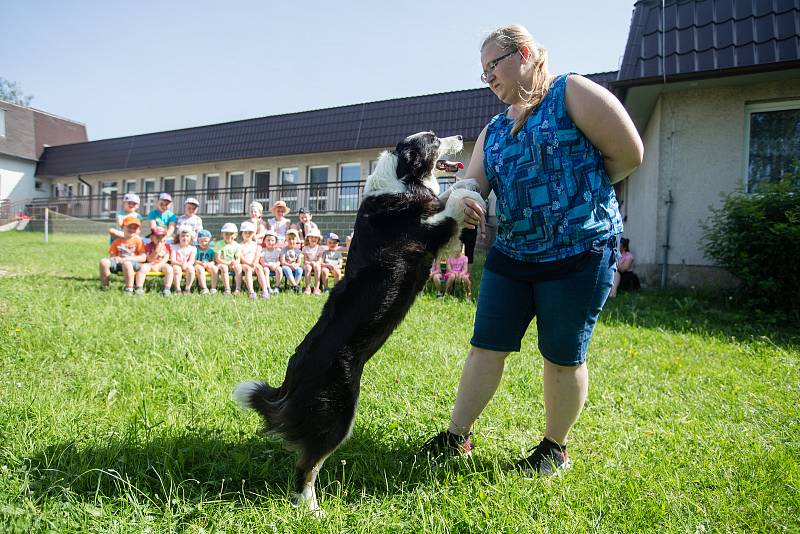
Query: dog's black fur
[[387, 266]]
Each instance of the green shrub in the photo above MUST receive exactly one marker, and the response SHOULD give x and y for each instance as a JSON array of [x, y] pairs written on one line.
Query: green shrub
[[756, 237]]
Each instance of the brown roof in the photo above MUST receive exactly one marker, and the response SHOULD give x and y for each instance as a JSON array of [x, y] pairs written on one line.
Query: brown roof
[[359, 126]]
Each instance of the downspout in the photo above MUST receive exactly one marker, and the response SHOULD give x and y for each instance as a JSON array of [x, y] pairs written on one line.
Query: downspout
[[665, 246], [87, 184]]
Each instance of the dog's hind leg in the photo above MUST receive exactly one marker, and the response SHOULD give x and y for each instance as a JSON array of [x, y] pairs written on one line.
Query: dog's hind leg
[[305, 478]]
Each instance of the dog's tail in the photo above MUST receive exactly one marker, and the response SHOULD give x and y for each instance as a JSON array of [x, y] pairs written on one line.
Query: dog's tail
[[257, 396]]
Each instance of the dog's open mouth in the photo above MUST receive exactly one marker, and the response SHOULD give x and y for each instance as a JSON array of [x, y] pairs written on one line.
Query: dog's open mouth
[[448, 166]]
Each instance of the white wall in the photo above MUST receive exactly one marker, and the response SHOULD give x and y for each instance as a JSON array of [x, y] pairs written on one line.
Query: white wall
[[16, 179]]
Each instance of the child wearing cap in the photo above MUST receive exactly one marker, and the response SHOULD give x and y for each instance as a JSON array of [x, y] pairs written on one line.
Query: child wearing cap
[[331, 261], [190, 217], [227, 258], [290, 261], [204, 262], [251, 254], [157, 253], [182, 257], [130, 203], [271, 259], [305, 225], [125, 255], [256, 212], [312, 260], [278, 223], [163, 217]]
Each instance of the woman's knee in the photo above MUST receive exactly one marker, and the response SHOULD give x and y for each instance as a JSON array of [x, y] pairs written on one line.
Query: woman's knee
[[477, 352]]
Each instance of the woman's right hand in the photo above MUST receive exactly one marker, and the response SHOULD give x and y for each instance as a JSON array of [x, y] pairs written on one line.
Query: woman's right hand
[[474, 215]]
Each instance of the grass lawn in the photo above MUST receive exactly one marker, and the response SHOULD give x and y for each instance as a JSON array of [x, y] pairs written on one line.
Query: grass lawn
[[115, 415]]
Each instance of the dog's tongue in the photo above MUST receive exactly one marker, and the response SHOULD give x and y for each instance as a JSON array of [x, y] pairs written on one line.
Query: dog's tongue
[[449, 166]]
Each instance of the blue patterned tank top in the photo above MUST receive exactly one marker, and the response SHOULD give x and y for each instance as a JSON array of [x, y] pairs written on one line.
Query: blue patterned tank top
[[554, 197]]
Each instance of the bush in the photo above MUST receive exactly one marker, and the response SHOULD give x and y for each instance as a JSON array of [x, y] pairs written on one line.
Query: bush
[[756, 237]]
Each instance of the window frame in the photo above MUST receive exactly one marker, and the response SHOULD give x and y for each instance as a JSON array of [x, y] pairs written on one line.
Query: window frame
[[2, 123], [759, 107]]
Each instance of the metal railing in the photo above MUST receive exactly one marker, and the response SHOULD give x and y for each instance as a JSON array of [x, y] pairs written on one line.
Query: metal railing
[[338, 197]]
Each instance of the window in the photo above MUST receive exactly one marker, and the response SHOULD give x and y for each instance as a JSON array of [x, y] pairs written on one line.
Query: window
[[261, 184], [236, 198], [212, 194], [83, 189], [130, 186], [108, 192], [168, 184], [70, 190], [289, 178], [2, 123], [772, 141], [318, 192], [190, 184], [349, 177], [38, 185], [148, 199]]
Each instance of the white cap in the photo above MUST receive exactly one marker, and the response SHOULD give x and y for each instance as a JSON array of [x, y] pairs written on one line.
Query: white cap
[[247, 226], [229, 228], [314, 232], [130, 197], [184, 229], [256, 204], [192, 200]]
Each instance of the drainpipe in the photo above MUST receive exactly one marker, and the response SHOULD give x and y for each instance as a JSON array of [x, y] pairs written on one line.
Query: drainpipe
[[665, 246], [87, 184]]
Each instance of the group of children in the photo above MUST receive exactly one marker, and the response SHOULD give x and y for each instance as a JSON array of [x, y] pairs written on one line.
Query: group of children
[[451, 271], [267, 248]]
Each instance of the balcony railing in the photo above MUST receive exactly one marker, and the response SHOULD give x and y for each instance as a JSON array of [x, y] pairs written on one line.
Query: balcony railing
[[339, 197]]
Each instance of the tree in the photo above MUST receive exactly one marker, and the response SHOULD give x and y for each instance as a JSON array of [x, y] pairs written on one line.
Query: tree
[[11, 92]]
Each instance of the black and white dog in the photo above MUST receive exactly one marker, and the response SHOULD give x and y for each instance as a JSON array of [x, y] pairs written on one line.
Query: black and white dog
[[400, 227]]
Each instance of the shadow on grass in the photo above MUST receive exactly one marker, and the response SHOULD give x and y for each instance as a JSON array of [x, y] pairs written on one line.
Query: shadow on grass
[[201, 467], [697, 312]]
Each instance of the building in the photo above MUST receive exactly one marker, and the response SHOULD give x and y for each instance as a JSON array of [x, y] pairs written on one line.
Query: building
[[24, 134], [714, 88]]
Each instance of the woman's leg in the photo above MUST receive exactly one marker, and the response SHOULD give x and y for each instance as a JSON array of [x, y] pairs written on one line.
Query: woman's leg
[[479, 380], [565, 391]]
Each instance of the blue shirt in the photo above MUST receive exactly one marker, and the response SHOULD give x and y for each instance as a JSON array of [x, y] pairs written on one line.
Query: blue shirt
[[554, 197], [162, 219]]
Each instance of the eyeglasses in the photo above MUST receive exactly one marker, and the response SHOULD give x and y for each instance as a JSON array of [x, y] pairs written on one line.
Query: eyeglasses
[[493, 65]]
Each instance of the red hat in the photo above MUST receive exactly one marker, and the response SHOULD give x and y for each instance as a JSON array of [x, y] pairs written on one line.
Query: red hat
[[158, 231]]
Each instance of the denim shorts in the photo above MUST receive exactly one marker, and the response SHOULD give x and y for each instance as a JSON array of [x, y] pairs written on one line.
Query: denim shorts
[[566, 298], [116, 267]]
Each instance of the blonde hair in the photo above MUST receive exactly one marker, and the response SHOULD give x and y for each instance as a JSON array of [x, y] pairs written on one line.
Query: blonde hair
[[516, 37]]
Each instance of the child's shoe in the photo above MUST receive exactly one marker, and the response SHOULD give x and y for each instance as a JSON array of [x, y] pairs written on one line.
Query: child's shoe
[[236, 291], [253, 295], [140, 291], [227, 292], [166, 292], [296, 289], [317, 291], [265, 295], [104, 288], [274, 290], [213, 290], [128, 291], [307, 290], [204, 291]]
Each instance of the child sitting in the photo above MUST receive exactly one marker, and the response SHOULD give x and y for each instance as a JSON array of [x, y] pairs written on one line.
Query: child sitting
[[280, 224], [312, 260], [227, 258], [182, 257], [271, 259], [157, 253], [305, 225], [435, 276], [125, 255], [204, 263], [458, 272], [162, 216], [290, 261], [256, 212], [130, 203], [190, 217], [251, 254], [331, 261]]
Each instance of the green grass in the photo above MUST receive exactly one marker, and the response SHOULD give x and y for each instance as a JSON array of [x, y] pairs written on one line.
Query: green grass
[[115, 415]]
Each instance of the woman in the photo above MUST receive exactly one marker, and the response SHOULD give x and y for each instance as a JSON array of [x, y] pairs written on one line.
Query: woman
[[624, 264], [550, 158]]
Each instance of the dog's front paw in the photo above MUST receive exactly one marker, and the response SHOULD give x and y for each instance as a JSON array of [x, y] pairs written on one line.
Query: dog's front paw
[[455, 204]]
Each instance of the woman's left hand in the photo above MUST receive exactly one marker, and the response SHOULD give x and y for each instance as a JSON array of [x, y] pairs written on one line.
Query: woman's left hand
[[474, 215]]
